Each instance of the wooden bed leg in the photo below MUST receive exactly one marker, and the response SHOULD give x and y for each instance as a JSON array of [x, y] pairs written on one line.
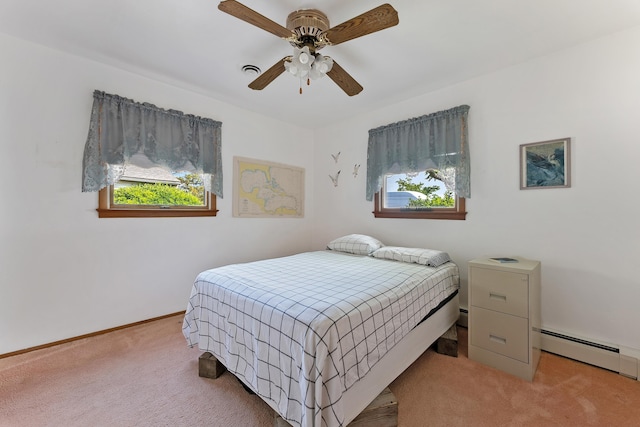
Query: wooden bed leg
[[447, 344], [209, 366], [382, 412]]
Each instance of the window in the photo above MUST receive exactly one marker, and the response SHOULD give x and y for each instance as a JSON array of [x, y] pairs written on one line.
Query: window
[[156, 192], [420, 195], [419, 168], [108, 209], [132, 149]]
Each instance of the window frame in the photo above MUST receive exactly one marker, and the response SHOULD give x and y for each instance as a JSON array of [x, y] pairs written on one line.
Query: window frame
[[107, 209], [458, 212]]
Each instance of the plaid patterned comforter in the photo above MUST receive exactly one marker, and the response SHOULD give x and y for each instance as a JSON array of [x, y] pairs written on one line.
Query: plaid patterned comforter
[[300, 330]]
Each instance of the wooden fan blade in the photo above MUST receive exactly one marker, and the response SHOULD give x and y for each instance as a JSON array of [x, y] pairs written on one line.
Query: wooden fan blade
[[241, 11], [377, 19], [269, 75], [344, 80]]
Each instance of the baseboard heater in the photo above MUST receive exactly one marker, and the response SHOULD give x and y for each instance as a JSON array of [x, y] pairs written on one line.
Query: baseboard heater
[[463, 320], [593, 353], [581, 341]]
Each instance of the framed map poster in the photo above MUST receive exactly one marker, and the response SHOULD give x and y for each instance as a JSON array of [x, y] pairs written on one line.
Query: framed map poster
[[264, 189]]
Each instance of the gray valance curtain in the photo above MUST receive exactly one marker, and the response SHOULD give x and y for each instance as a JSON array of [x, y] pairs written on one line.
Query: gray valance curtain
[[435, 141], [121, 128]]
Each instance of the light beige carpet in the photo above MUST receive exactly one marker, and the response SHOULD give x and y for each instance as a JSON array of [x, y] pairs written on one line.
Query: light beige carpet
[[147, 376]]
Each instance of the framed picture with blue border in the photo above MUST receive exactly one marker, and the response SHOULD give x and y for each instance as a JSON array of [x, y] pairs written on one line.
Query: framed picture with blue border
[[545, 164]]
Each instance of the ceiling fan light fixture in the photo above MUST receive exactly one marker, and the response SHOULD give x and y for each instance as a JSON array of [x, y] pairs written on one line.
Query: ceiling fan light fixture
[[323, 63], [290, 67], [321, 66], [303, 58], [301, 62]]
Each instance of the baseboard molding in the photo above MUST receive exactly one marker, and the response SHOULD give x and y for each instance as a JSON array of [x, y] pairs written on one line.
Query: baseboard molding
[[623, 361], [597, 354], [92, 334]]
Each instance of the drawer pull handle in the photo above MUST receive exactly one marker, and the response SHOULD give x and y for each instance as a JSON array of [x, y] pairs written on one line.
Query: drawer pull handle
[[497, 339], [498, 297]]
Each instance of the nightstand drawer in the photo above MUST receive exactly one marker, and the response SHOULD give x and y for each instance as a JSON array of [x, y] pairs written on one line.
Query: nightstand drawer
[[502, 291], [501, 333]]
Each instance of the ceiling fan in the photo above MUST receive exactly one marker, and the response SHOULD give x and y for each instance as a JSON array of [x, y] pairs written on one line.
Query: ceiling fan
[[308, 31]]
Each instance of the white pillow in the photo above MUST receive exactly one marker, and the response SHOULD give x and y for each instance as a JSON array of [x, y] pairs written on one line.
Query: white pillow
[[358, 244], [430, 257]]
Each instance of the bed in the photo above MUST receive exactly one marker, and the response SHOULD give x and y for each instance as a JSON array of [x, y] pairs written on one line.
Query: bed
[[318, 335]]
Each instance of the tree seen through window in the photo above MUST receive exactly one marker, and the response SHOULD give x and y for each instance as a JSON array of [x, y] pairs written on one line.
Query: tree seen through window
[[427, 191]]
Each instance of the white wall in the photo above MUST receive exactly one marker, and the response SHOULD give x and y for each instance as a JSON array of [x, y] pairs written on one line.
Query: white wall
[[587, 237], [63, 271]]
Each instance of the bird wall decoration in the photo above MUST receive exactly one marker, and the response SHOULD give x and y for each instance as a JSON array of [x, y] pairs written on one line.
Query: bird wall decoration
[[334, 178]]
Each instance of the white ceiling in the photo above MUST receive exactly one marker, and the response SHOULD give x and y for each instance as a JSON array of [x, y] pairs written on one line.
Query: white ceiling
[[191, 44]]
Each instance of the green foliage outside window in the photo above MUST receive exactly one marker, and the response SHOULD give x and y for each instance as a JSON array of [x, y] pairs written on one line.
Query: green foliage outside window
[[155, 195], [433, 200], [192, 183], [190, 192]]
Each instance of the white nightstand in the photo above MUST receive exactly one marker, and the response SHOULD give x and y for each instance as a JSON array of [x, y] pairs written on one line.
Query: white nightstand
[[504, 315]]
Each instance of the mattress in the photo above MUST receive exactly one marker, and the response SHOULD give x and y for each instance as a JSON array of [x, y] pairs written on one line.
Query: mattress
[[301, 330]]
